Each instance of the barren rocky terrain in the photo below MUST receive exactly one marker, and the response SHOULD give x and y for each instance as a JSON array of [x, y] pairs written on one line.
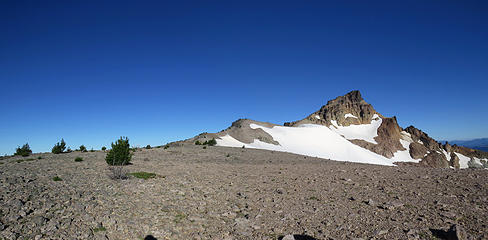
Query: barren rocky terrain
[[234, 193]]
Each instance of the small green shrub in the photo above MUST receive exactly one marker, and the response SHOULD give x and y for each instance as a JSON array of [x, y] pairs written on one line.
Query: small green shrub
[[59, 147], [57, 179], [179, 217], [99, 229], [204, 147], [143, 175], [120, 154], [91, 150], [23, 151], [148, 146], [166, 146], [104, 148], [198, 143], [212, 142], [82, 148], [78, 159], [25, 160], [39, 157], [228, 155]]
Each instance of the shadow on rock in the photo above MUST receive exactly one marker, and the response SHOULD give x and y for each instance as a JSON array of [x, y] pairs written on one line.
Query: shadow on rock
[[150, 237], [296, 237], [456, 232]]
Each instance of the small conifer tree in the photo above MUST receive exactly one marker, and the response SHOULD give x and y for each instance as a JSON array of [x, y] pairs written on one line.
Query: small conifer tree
[[59, 147], [82, 148], [23, 151], [120, 153]]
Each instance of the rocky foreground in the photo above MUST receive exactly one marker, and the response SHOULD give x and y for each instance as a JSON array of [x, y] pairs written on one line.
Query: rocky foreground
[[233, 193]]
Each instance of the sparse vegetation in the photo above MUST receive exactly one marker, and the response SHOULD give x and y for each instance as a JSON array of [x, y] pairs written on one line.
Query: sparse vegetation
[[59, 147], [314, 198], [23, 151], [143, 175], [69, 150], [198, 143], [82, 148], [204, 147], [179, 217], [212, 142], [120, 154], [57, 179], [166, 146], [118, 157], [25, 160], [78, 159], [99, 229], [39, 157], [91, 150], [148, 146]]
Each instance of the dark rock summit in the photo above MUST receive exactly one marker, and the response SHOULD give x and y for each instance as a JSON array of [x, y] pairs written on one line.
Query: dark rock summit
[[336, 110]]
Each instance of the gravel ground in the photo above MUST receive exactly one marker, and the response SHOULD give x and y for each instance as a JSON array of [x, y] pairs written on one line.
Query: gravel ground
[[234, 193]]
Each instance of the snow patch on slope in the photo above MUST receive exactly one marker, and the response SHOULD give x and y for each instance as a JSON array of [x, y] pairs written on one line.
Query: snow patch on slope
[[366, 132], [349, 115], [317, 117], [463, 160], [448, 157], [404, 156], [312, 140]]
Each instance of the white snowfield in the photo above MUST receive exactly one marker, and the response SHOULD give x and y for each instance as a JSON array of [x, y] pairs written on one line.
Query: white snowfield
[[312, 140], [349, 115], [330, 143], [366, 132], [463, 160]]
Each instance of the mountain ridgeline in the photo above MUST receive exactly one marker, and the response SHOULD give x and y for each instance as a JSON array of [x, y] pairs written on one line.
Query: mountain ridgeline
[[348, 128]]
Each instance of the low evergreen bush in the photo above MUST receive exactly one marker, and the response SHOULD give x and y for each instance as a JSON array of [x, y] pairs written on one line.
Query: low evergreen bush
[[23, 151], [120, 154], [82, 148], [59, 147]]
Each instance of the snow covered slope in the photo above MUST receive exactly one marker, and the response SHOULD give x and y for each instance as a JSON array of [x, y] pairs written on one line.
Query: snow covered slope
[[349, 129], [316, 141]]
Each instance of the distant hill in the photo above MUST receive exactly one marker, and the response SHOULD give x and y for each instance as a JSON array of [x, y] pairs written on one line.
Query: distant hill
[[480, 143]]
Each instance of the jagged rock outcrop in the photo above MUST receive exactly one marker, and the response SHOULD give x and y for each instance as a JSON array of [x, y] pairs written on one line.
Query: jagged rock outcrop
[[418, 135], [454, 162], [417, 150], [388, 139], [435, 160], [469, 152], [346, 110]]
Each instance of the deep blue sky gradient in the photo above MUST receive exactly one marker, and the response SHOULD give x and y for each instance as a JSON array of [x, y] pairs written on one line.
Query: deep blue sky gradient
[[155, 71]]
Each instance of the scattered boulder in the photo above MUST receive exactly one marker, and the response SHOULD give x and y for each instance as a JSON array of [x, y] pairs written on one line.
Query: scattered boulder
[[417, 150], [435, 160], [456, 232]]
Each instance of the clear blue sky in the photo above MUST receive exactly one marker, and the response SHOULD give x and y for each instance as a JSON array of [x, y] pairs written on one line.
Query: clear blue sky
[[157, 71]]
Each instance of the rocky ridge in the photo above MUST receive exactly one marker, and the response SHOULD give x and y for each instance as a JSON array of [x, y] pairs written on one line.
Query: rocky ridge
[[351, 109]]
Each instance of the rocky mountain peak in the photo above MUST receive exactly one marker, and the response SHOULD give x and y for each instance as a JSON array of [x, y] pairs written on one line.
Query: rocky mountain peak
[[350, 109], [349, 117], [351, 97]]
